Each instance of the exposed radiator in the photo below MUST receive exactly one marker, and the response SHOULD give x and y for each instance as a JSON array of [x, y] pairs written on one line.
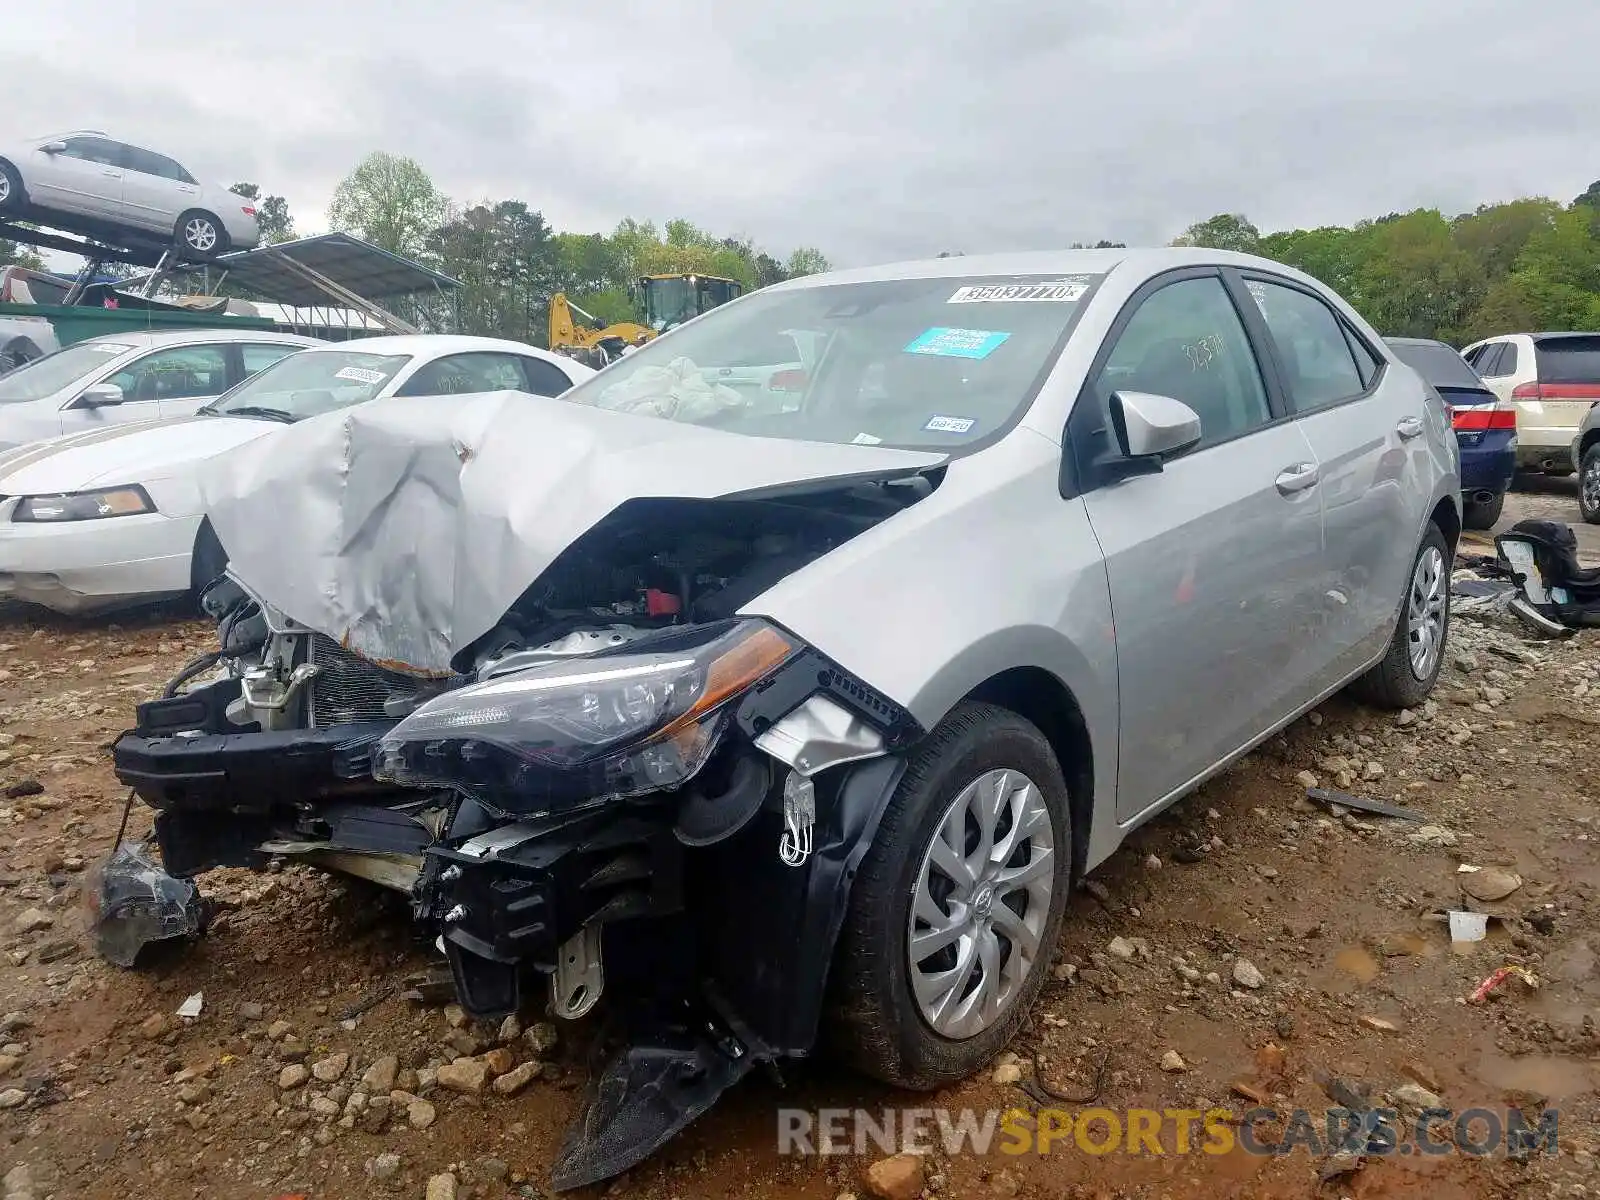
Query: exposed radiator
[[349, 688]]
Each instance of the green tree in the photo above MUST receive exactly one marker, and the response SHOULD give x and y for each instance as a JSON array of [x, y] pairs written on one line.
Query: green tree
[[14, 255], [1225, 231], [391, 202], [272, 214], [509, 265], [806, 260]]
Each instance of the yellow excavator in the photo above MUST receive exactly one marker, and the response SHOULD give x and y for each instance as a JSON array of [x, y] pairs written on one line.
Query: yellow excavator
[[667, 300]]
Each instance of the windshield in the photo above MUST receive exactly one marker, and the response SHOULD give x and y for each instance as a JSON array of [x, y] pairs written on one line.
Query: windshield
[[48, 375], [919, 363], [667, 302], [1438, 364], [312, 382]]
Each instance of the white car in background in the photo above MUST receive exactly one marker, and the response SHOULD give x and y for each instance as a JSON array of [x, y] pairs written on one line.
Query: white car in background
[[86, 182], [1551, 379], [97, 521], [120, 379]]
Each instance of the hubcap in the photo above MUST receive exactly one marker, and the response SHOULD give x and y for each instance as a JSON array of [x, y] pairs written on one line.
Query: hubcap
[[1591, 474], [1425, 612], [981, 901], [200, 234], [5, 188]]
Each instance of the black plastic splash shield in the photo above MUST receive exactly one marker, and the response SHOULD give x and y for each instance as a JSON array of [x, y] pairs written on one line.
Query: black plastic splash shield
[[668, 1069]]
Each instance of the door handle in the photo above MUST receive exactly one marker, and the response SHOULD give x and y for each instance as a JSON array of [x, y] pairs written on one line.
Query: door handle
[[1296, 478], [1409, 427]]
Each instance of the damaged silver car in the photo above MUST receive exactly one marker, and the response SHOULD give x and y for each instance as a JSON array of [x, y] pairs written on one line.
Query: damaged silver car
[[767, 717]]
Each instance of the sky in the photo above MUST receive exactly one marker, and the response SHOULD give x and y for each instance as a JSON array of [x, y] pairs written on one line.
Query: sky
[[873, 131]]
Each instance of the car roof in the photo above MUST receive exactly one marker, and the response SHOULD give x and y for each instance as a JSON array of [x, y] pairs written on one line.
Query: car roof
[[1148, 261], [1411, 341], [145, 339], [434, 345]]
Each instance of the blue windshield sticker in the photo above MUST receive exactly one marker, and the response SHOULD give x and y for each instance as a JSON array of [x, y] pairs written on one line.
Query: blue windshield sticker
[[939, 424], [957, 343]]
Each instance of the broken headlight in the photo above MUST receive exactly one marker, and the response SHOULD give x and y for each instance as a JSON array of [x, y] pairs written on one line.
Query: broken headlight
[[566, 733]]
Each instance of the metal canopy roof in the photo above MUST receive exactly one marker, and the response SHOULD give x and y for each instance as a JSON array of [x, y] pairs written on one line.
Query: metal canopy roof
[[285, 273]]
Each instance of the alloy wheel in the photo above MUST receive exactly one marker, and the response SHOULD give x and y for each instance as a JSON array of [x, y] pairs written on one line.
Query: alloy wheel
[[5, 187], [200, 234], [1425, 612], [1590, 483], [981, 901]]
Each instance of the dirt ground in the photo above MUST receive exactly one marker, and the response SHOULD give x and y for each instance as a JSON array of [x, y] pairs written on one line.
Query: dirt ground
[[105, 1092]]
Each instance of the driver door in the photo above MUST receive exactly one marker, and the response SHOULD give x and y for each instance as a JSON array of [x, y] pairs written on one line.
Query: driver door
[[1213, 562]]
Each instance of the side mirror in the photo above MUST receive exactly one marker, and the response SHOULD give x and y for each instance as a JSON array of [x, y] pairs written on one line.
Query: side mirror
[[54, 147], [102, 395], [1151, 428]]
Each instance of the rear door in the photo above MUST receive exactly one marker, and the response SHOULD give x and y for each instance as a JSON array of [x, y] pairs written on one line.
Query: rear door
[[154, 191], [1214, 561], [1363, 423]]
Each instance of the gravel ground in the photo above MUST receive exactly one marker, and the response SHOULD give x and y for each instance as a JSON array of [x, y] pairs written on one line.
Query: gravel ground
[[1245, 944]]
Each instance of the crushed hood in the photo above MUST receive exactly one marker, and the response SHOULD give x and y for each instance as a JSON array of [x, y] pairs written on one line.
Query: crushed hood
[[406, 528], [118, 454]]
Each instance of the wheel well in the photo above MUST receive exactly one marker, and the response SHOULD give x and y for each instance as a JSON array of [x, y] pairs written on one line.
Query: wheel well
[[1041, 698], [1448, 519], [1589, 439]]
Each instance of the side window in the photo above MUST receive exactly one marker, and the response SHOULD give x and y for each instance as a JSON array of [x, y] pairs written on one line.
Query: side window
[[1186, 341], [1317, 363], [181, 373], [260, 356], [1506, 364], [464, 374], [544, 378], [1368, 364], [95, 150], [142, 161], [174, 170]]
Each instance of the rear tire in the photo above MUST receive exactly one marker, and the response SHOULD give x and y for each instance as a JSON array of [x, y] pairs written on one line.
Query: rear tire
[[1483, 514], [12, 197], [1589, 485], [999, 925], [200, 233], [1407, 673]]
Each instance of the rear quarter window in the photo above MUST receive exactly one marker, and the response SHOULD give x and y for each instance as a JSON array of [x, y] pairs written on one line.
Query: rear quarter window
[[1568, 360]]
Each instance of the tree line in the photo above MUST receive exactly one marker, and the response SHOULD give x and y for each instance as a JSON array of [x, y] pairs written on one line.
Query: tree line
[[1526, 264], [510, 261], [1523, 265]]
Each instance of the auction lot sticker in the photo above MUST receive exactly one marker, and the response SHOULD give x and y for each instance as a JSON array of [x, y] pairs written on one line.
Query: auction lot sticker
[[1058, 291]]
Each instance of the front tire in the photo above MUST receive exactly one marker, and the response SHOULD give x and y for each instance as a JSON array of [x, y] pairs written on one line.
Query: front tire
[[1476, 514], [1408, 672], [1589, 485], [201, 233], [956, 909]]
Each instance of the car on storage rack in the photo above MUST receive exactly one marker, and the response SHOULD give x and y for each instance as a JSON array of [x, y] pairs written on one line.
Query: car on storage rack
[[1551, 379], [124, 379], [761, 720], [1485, 425], [89, 183], [102, 519]]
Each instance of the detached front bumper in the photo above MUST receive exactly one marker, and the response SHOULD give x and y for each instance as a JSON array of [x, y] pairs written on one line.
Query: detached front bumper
[[85, 567]]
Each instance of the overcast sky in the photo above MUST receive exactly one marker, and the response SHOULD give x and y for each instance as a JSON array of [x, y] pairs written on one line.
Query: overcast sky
[[873, 131]]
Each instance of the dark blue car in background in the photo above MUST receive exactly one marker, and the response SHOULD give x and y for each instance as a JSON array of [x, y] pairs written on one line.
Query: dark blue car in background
[[1486, 430]]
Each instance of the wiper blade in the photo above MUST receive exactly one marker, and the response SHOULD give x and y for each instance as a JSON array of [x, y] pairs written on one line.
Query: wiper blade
[[256, 410]]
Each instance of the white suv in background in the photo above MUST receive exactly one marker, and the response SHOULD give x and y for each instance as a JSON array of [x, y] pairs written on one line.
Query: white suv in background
[[1551, 379], [84, 182]]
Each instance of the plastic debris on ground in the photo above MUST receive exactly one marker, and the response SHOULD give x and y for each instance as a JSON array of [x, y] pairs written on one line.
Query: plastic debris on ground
[[191, 1007], [138, 904], [1468, 927], [1481, 992]]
